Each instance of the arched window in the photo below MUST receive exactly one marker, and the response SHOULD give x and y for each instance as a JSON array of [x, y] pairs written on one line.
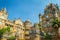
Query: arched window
[[56, 15], [47, 16], [0, 22]]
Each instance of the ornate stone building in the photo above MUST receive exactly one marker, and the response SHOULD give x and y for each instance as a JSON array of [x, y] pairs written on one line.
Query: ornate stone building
[[19, 29], [37, 31], [16, 26], [27, 25], [51, 13], [25, 31], [19, 26]]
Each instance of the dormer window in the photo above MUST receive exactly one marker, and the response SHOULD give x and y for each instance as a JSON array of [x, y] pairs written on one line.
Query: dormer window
[[2, 16]]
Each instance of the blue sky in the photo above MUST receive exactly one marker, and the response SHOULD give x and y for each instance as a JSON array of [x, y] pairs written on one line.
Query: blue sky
[[25, 9]]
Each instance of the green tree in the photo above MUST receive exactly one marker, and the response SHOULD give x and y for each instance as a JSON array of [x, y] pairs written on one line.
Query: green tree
[[39, 24], [3, 31], [48, 37], [8, 29], [11, 37], [1, 34], [56, 23]]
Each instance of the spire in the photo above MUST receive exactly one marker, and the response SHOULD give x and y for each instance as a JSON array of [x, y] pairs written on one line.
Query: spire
[[4, 9], [28, 20], [39, 14], [40, 17]]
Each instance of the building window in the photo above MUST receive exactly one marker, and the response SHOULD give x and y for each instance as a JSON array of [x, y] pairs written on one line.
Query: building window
[[59, 31], [2, 16], [47, 16], [45, 25], [56, 14], [0, 22]]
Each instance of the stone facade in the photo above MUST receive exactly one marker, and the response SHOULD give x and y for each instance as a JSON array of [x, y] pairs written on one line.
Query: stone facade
[[27, 25], [19, 29], [16, 26], [51, 12], [26, 31]]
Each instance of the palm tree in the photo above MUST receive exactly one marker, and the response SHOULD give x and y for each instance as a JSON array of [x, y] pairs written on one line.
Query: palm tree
[[48, 37], [56, 23]]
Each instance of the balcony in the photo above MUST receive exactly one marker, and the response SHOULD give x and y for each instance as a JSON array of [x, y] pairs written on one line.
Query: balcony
[[27, 28], [27, 32], [27, 37]]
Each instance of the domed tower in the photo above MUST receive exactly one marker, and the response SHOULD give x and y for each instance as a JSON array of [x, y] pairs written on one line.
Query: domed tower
[[3, 14], [37, 31], [19, 26], [40, 19], [51, 10], [3, 17], [18, 22], [27, 25]]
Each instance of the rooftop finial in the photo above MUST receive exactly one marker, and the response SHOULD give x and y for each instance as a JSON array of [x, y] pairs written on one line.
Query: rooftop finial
[[28, 19], [39, 14], [4, 9]]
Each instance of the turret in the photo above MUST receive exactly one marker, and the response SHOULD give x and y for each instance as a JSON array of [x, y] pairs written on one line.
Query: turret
[[4, 9], [3, 14], [18, 22], [28, 26], [51, 8], [40, 17], [40, 20]]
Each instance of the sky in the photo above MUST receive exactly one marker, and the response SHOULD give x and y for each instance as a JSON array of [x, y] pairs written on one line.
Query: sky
[[26, 9]]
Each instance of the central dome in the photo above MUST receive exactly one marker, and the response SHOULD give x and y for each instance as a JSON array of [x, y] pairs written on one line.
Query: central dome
[[51, 8], [18, 21]]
